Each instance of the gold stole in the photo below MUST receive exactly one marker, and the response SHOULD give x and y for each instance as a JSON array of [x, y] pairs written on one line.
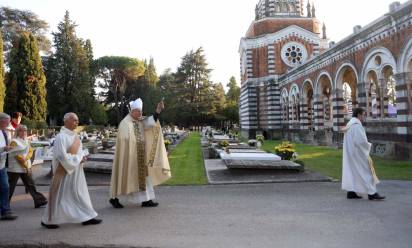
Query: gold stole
[[372, 167], [143, 171], [54, 188]]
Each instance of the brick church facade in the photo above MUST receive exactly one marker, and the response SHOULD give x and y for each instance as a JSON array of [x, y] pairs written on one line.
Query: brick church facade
[[296, 85]]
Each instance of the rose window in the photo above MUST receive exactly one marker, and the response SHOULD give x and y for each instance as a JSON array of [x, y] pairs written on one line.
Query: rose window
[[294, 54]]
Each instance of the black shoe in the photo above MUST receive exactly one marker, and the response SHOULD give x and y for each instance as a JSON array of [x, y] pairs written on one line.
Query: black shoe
[[8, 216], [352, 195], [376, 196], [40, 204], [92, 222], [149, 204], [115, 203], [49, 226]]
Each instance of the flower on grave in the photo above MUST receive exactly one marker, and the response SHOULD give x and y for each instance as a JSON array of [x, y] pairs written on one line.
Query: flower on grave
[[260, 138], [223, 143], [285, 150], [167, 142]]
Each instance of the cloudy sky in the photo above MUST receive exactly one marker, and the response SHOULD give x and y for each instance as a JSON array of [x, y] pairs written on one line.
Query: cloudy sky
[[166, 29]]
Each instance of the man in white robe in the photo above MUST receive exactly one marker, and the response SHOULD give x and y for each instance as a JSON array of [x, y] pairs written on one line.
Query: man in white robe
[[140, 160], [358, 173], [69, 200]]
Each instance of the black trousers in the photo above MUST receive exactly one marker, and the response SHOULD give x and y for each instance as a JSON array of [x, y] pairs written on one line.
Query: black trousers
[[28, 182]]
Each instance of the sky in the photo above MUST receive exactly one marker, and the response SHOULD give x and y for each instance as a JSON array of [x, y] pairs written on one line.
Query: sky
[[166, 30]]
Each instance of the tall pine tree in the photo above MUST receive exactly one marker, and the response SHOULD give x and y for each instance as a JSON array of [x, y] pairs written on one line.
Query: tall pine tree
[[2, 85], [194, 88], [69, 75], [26, 80]]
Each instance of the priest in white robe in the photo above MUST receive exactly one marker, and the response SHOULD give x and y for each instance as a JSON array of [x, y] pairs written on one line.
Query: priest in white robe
[[140, 160], [358, 173], [69, 200]]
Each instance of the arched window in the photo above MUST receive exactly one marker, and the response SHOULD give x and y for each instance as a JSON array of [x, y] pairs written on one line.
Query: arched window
[[277, 7], [390, 89], [327, 113], [308, 96], [374, 98], [292, 7], [284, 7], [294, 93], [347, 99]]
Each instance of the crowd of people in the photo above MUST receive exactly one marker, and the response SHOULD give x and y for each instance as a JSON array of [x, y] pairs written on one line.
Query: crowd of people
[[140, 163]]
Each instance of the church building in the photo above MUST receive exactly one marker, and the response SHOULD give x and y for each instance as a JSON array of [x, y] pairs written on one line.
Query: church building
[[296, 85]]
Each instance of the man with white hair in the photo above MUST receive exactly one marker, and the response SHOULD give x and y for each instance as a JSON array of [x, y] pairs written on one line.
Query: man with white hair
[[6, 213], [140, 160], [69, 200]]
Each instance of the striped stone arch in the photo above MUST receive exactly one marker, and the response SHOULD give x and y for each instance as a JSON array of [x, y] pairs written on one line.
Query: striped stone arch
[[371, 62], [323, 101], [338, 74], [307, 97], [404, 81], [354, 91], [405, 56]]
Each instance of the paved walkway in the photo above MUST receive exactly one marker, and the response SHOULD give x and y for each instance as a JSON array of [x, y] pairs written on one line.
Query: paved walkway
[[261, 215]]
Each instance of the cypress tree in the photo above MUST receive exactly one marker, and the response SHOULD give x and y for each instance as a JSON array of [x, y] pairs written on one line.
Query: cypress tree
[[27, 91], [69, 74]]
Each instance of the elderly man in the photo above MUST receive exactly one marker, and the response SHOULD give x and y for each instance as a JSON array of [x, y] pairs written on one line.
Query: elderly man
[[20, 166], [6, 213], [140, 160], [358, 173], [69, 200]]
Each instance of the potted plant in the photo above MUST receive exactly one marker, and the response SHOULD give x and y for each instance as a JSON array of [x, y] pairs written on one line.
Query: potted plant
[[223, 143], [285, 150]]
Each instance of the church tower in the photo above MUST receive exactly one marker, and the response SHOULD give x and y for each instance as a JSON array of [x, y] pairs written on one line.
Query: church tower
[[281, 38]]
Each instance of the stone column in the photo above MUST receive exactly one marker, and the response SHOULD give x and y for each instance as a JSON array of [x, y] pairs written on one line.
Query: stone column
[[383, 98], [338, 110], [303, 113], [404, 102], [318, 112]]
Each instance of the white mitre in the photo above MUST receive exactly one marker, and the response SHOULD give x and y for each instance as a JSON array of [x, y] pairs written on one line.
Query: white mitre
[[137, 104]]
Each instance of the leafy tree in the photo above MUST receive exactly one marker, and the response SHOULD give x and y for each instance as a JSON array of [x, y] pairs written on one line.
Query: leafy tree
[[114, 73], [168, 89], [231, 111], [13, 22], [70, 80], [2, 86], [98, 114], [233, 93], [194, 88], [27, 91], [150, 74]]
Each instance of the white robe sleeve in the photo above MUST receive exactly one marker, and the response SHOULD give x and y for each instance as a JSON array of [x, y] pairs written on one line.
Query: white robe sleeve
[[149, 122], [69, 161], [361, 141]]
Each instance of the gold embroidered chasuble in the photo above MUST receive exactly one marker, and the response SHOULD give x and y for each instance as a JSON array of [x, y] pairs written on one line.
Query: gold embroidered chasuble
[[140, 152]]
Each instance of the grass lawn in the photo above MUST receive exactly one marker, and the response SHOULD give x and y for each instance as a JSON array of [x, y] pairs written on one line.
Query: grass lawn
[[328, 161], [186, 162]]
